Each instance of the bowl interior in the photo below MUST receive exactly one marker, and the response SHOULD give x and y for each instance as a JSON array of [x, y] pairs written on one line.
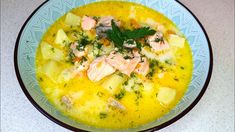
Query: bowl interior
[[51, 10]]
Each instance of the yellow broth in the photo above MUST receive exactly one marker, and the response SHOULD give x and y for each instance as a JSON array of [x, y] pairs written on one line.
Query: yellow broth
[[90, 99]]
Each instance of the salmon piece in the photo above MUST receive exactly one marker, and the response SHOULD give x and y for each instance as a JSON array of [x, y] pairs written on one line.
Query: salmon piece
[[99, 69], [88, 23], [73, 46], [158, 43], [126, 66], [143, 67]]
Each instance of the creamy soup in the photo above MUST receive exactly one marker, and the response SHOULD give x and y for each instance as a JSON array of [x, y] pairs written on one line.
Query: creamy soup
[[114, 65]]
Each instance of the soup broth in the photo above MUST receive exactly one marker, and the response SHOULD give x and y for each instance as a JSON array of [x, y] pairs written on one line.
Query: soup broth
[[114, 65]]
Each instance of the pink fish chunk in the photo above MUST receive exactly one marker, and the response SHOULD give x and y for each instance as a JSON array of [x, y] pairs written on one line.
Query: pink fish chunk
[[99, 69], [143, 67], [88, 23], [126, 66]]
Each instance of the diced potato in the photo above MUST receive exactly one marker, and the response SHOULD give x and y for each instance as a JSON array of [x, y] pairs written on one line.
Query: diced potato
[[113, 82], [72, 19], [61, 38], [166, 95], [176, 41], [148, 86], [133, 84], [49, 52], [130, 85], [51, 69], [66, 75], [166, 56]]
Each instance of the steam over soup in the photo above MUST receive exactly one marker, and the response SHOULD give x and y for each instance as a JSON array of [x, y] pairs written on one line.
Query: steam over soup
[[114, 65]]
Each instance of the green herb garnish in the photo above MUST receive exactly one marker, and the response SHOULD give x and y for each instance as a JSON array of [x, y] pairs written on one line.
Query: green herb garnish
[[176, 79], [139, 33], [41, 79], [153, 64], [120, 95], [120, 74], [132, 75], [118, 36], [53, 49], [127, 57], [71, 57], [82, 43], [103, 115], [96, 18], [125, 83], [100, 94], [83, 59], [138, 96], [169, 62], [99, 45], [158, 39], [138, 45]]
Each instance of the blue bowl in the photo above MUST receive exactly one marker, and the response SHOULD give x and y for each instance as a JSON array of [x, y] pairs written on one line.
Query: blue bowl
[[47, 13]]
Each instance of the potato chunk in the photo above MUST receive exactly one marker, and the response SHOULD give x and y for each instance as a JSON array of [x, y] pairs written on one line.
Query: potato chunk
[[49, 52], [66, 75], [148, 86], [61, 38], [113, 82], [51, 69], [72, 19], [166, 95], [176, 41]]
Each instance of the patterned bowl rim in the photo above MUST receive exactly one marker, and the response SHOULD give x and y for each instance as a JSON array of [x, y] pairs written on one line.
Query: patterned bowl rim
[[190, 107]]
